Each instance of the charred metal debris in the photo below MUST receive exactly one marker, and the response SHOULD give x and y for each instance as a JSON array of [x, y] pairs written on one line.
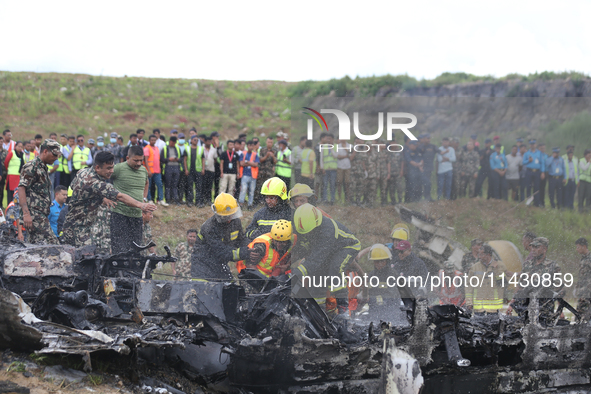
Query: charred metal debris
[[255, 337]]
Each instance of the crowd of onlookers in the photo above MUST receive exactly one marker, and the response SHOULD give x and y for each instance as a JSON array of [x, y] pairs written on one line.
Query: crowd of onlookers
[[193, 168]]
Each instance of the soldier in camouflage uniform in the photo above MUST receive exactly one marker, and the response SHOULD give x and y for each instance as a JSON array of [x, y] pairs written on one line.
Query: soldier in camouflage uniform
[[358, 165], [455, 182], [583, 289], [470, 163], [396, 171], [114, 148], [540, 265], [34, 192], [373, 174], [383, 161], [100, 232], [182, 268], [90, 190]]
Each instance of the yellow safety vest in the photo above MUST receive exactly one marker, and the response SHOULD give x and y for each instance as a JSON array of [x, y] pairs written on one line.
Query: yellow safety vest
[[165, 153], [328, 160], [305, 159], [198, 159], [14, 165], [80, 157], [283, 169]]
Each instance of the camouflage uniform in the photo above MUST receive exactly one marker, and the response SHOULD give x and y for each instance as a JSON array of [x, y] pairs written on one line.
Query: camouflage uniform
[[100, 232], [116, 151], [183, 265], [147, 233], [266, 171], [456, 180], [395, 183], [358, 162], [383, 157], [470, 162], [584, 285], [88, 189], [35, 180], [371, 185]]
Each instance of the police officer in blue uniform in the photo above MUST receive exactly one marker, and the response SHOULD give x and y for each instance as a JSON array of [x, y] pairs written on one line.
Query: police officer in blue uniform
[[556, 177], [535, 168]]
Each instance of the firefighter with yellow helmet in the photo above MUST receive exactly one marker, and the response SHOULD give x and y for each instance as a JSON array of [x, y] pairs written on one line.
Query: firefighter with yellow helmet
[[302, 194], [383, 298], [219, 241], [272, 255], [276, 207], [327, 248], [400, 232]]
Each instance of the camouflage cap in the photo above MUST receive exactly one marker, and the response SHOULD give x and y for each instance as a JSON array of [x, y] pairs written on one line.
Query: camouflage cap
[[449, 266], [540, 241], [476, 241], [487, 249], [114, 135], [52, 145]]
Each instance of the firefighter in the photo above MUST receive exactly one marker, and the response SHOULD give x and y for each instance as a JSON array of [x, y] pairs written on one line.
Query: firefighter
[[302, 194], [450, 293], [400, 232], [486, 297], [219, 241], [276, 207], [273, 251], [327, 247], [384, 299]]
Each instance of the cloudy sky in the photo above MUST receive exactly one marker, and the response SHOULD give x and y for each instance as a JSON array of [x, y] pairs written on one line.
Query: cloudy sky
[[254, 40]]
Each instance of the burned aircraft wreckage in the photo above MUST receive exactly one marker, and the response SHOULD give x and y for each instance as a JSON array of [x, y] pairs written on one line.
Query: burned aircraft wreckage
[[253, 336]]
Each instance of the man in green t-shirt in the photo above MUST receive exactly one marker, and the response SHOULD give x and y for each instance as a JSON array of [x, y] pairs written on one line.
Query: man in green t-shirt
[[131, 178]]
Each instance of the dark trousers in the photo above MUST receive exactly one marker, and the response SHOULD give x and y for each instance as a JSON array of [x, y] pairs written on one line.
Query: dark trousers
[[555, 189], [584, 196], [65, 179], [208, 180], [216, 180], [532, 180], [482, 175], [237, 187], [172, 175], [2, 189], [569, 194], [522, 188], [195, 181], [183, 185], [414, 186], [543, 183], [426, 178], [498, 185], [125, 231], [287, 181], [297, 173]]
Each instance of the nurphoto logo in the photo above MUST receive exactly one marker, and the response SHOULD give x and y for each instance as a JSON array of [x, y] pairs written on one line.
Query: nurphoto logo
[[345, 128]]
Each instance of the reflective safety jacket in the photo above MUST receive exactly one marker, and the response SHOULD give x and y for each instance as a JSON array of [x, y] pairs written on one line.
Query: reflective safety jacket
[[80, 157], [451, 295], [269, 260], [217, 244], [488, 295], [265, 218]]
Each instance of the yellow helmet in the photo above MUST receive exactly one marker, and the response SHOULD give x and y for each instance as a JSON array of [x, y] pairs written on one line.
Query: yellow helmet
[[281, 230], [306, 218], [300, 189], [274, 187], [379, 252], [400, 231], [225, 205]]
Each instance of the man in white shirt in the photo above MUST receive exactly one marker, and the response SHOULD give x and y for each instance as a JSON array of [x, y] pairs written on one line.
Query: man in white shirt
[[514, 160], [343, 169], [160, 144], [209, 156]]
